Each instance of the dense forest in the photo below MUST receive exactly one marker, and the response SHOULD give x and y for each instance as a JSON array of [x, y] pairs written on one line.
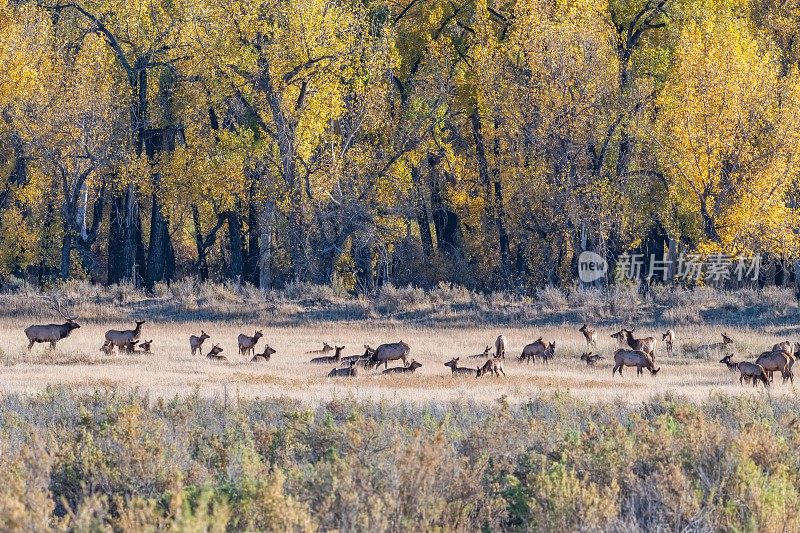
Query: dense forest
[[480, 142]]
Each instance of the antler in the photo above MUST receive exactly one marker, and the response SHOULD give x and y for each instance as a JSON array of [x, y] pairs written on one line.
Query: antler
[[55, 304]]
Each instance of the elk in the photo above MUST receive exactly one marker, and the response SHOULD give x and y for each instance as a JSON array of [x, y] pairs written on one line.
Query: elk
[[752, 371], [247, 344], [107, 348], [404, 369], [486, 352], [637, 358], [390, 352], [452, 364], [590, 335], [130, 347], [728, 361], [500, 346], [350, 371], [777, 361], [668, 338], [492, 366], [214, 353], [359, 359], [122, 338], [329, 359], [325, 349], [52, 333], [646, 344], [792, 348], [196, 343], [145, 346], [591, 358], [264, 356], [540, 349], [715, 347]]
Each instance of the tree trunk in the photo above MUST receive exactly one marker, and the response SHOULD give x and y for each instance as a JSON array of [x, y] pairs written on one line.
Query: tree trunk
[[202, 261], [445, 221], [251, 265], [362, 259], [266, 225], [235, 239], [157, 247], [66, 249], [422, 214], [132, 247]]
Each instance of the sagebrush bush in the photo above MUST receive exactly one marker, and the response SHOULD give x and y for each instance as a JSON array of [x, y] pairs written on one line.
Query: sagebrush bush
[[121, 461]]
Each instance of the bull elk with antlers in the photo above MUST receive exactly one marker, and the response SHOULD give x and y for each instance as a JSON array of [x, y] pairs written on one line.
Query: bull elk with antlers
[[52, 333]]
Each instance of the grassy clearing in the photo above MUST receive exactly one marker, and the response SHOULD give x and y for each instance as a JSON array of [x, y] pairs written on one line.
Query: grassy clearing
[[126, 461]]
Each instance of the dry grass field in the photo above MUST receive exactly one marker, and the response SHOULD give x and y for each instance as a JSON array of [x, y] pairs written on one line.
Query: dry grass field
[[171, 370]]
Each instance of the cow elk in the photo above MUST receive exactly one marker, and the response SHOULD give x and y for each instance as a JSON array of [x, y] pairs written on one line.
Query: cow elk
[[728, 361], [668, 337], [590, 358], [777, 362], [247, 344], [214, 354], [362, 359], [715, 347], [637, 358], [404, 369], [121, 339], [196, 343], [452, 364], [538, 348], [492, 366], [390, 352], [487, 352], [325, 349], [264, 356], [350, 371], [792, 348], [52, 333], [646, 344], [500, 346], [329, 359], [590, 335]]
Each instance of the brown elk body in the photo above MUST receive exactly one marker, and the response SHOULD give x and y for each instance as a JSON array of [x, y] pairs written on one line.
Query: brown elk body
[[777, 362], [590, 358], [637, 358], [646, 344], [264, 356], [52, 333], [457, 370], [122, 338], [668, 337], [214, 354], [492, 366], [590, 335], [752, 372], [107, 348], [145, 346], [196, 343], [538, 348], [500, 346], [350, 371], [390, 352], [404, 369], [325, 349], [247, 344], [329, 359]]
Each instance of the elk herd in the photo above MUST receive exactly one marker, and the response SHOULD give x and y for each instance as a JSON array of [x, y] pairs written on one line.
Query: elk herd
[[631, 352]]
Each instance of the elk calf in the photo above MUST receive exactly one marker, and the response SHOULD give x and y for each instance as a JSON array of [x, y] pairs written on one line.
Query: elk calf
[[325, 349], [329, 359], [362, 359], [107, 348], [668, 337], [145, 346], [214, 354], [456, 370], [728, 361], [486, 352], [591, 358], [538, 348], [590, 335], [404, 369], [350, 371], [247, 344], [715, 347], [492, 366], [752, 371], [196, 343], [264, 356]]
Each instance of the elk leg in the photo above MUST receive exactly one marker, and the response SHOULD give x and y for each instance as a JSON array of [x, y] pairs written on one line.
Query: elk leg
[[52, 345], [30, 345]]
